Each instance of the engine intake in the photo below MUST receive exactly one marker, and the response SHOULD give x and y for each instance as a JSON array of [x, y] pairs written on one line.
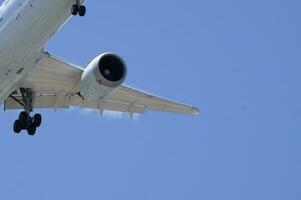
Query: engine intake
[[111, 67]]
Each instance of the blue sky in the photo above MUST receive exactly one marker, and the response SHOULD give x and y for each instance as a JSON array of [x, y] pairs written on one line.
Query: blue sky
[[238, 61]]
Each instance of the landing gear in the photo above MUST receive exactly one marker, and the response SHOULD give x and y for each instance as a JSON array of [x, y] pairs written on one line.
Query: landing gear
[[25, 121], [79, 9]]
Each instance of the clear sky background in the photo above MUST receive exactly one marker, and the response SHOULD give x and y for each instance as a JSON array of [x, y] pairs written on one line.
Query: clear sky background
[[238, 61]]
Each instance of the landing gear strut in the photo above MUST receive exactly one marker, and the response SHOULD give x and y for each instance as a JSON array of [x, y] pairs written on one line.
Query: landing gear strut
[[25, 121], [79, 9]]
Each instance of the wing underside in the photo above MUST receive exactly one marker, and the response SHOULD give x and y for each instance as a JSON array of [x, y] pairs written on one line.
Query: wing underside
[[56, 86]]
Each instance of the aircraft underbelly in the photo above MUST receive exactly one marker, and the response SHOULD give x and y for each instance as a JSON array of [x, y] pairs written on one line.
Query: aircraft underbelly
[[23, 38]]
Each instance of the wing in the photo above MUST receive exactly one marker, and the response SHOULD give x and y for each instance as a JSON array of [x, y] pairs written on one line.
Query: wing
[[56, 85]]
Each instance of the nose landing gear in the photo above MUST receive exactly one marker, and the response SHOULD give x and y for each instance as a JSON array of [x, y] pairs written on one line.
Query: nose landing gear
[[25, 121], [79, 9]]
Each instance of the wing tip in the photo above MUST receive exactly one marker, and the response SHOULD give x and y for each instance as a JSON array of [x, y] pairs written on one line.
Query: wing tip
[[195, 111]]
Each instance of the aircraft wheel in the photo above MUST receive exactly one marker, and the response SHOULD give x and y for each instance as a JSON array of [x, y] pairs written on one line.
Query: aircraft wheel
[[23, 118], [37, 120], [82, 11], [17, 127], [75, 9], [31, 129]]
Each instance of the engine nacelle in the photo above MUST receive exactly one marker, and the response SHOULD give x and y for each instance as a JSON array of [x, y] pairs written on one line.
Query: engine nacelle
[[103, 75]]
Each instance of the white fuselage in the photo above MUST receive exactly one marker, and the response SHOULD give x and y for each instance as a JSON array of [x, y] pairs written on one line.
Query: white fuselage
[[25, 28]]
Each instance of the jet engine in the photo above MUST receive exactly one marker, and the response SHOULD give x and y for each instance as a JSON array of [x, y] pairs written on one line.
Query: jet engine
[[103, 75]]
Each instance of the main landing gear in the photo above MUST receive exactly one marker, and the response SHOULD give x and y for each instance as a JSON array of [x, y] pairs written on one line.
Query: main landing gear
[[79, 9], [25, 121]]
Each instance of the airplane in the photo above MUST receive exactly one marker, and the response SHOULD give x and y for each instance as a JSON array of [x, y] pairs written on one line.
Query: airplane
[[32, 78]]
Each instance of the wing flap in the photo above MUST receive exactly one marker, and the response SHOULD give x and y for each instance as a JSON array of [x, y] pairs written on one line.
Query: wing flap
[[151, 102], [67, 101]]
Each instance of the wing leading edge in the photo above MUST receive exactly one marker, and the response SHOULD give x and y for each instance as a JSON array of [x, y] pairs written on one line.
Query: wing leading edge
[[56, 85]]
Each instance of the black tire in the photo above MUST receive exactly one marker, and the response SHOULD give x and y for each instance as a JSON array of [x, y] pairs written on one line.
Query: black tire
[[74, 9], [23, 118], [17, 127], [82, 11], [31, 129], [37, 120]]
